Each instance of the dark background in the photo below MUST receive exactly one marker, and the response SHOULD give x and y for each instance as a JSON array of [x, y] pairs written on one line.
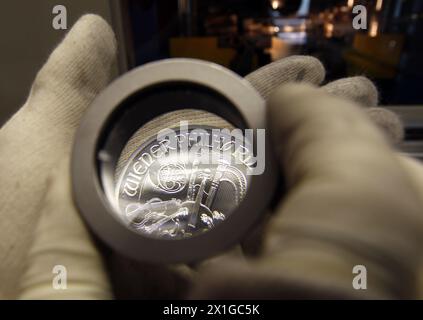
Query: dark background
[[240, 34], [390, 56]]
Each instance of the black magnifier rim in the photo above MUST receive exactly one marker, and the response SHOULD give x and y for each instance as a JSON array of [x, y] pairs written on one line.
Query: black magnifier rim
[[109, 106]]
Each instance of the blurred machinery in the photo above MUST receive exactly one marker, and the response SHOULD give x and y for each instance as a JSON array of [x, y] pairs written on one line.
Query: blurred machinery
[[242, 35], [246, 34]]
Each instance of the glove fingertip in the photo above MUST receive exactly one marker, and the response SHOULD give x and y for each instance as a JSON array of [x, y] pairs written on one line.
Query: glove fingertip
[[358, 89], [292, 69], [389, 122], [82, 60]]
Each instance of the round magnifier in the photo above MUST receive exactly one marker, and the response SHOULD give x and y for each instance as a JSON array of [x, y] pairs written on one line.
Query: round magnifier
[[171, 162]]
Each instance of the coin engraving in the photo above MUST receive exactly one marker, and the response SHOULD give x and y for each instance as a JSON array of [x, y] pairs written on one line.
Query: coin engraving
[[161, 195]]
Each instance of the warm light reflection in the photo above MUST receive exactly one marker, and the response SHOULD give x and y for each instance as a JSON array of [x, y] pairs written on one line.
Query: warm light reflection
[[379, 5], [350, 3], [374, 27], [274, 29], [288, 29], [276, 4], [329, 27]]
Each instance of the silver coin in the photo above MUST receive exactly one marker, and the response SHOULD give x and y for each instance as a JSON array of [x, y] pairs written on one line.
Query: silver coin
[[174, 195]]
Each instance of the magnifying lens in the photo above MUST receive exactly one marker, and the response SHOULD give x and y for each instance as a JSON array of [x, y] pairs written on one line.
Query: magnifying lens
[[171, 162]]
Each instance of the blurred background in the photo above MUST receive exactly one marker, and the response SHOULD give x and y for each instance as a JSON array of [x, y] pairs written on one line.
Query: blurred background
[[246, 34], [242, 35]]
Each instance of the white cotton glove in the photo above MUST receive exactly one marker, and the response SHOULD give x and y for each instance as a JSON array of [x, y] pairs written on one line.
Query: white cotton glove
[[306, 69], [32, 144], [350, 201]]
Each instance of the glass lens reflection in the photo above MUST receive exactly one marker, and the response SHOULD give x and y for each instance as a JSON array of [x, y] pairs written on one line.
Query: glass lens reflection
[[172, 195]]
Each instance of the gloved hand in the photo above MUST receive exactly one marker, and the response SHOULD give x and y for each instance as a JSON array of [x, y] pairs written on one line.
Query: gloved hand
[[37, 209], [32, 146], [351, 201]]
